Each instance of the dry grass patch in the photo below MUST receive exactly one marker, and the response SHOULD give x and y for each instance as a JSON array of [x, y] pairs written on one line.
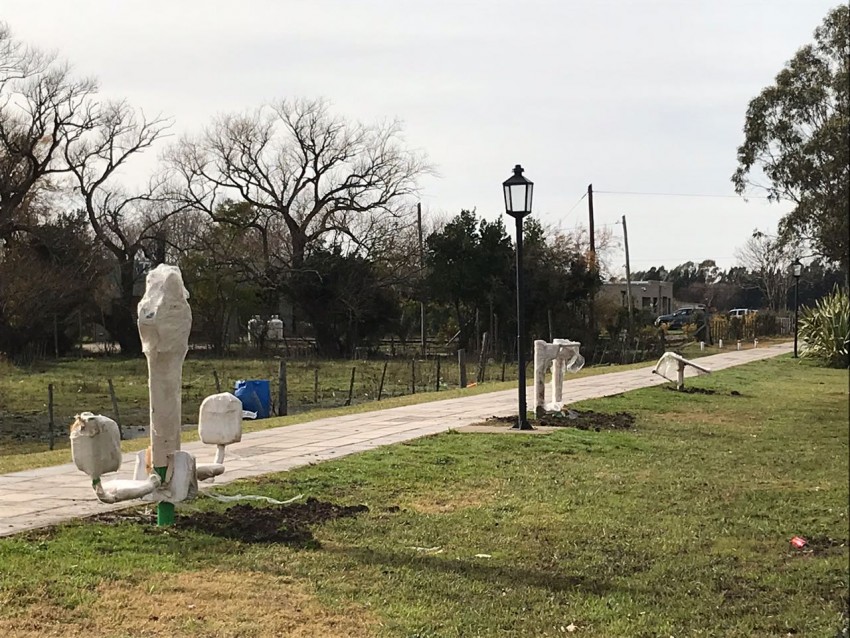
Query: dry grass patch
[[446, 502], [209, 604], [696, 416]]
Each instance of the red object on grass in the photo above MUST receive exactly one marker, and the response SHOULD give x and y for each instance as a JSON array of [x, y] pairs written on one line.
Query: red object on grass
[[798, 542]]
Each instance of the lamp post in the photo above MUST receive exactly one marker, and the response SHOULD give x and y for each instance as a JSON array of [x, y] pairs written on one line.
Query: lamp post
[[796, 270], [518, 191]]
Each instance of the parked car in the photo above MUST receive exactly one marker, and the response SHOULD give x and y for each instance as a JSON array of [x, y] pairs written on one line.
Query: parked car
[[679, 318], [741, 312]]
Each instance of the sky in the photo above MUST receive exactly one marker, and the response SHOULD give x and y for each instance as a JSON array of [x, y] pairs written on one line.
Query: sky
[[644, 96]]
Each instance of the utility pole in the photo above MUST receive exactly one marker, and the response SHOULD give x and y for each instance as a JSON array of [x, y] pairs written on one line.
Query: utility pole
[[628, 276], [591, 231], [593, 270], [422, 271]]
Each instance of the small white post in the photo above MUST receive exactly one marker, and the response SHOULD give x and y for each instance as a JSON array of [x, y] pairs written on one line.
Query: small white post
[[680, 378], [720, 343], [755, 343], [739, 344], [701, 346]]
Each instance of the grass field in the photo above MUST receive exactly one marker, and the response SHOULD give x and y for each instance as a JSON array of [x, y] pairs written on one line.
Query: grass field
[[678, 527]]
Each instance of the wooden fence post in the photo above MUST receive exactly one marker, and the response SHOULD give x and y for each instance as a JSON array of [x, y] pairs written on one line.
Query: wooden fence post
[[461, 363], [217, 381], [482, 359], [282, 391], [437, 387], [115, 408], [55, 336], [316, 386], [413, 376], [50, 424], [383, 376], [351, 386]]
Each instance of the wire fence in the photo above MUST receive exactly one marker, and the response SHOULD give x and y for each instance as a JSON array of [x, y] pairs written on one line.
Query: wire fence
[[36, 407], [37, 404]]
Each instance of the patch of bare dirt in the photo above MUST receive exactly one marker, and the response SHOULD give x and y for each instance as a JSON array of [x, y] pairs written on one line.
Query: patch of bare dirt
[[579, 419], [288, 524], [689, 390], [207, 604]]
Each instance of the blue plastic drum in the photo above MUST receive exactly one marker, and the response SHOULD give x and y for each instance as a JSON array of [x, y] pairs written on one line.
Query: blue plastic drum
[[256, 396]]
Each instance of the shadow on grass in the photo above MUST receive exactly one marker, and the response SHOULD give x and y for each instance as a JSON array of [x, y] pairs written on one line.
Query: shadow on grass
[[479, 569]]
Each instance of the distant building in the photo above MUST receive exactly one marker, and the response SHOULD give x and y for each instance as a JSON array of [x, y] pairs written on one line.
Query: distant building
[[655, 296]]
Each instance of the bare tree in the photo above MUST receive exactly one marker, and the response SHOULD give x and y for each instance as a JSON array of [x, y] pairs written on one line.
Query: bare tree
[[217, 270], [126, 224], [42, 106], [768, 259], [577, 240], [307, 175]]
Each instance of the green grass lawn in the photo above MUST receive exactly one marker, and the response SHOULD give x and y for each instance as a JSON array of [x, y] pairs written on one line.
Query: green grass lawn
[[679, 527]]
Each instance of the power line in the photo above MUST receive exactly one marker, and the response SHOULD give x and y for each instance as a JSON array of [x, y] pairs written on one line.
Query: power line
[[679, 194], [576, 204]]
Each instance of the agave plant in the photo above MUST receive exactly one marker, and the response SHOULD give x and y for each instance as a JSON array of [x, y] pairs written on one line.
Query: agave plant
[[825, 330]]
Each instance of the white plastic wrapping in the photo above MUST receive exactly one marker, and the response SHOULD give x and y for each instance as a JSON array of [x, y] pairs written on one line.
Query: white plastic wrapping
[[165, 320], [181, 479], [564, 356], [220, 419], [95, 444], [124, 490], [672, 367], [274, 329], [181, 482], [569, 355], [209, 470]]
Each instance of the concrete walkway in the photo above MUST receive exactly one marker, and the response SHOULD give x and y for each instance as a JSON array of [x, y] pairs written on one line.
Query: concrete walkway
[[42, 497]]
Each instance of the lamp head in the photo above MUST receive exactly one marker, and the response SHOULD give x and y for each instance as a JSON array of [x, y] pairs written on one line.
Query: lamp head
[[518, 194]]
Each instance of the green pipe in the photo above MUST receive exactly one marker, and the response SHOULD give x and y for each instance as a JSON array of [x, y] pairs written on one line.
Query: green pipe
[[164, 511]]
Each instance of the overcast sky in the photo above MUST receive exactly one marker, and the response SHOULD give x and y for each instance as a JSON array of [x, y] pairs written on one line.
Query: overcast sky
[[646, 96]]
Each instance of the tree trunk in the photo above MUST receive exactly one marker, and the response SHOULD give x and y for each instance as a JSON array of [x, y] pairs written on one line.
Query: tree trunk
[[327, 341], [462, 324], [299, 247], [121, 320]]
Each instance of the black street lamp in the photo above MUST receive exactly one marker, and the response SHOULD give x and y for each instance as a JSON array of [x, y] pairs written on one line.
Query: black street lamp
[[518, 192], [796, 270]]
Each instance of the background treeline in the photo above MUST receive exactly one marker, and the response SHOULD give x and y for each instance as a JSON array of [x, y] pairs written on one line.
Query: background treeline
[[289, 209]]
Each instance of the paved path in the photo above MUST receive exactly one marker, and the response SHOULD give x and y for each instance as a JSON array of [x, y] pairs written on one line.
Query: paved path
[[42, 497]]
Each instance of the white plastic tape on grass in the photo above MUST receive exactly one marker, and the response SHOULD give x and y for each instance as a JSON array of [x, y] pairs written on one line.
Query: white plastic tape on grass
[[251, 497]]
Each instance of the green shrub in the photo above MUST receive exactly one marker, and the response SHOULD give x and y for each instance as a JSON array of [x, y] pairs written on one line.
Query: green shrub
[[825, 330], [765, 323]]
